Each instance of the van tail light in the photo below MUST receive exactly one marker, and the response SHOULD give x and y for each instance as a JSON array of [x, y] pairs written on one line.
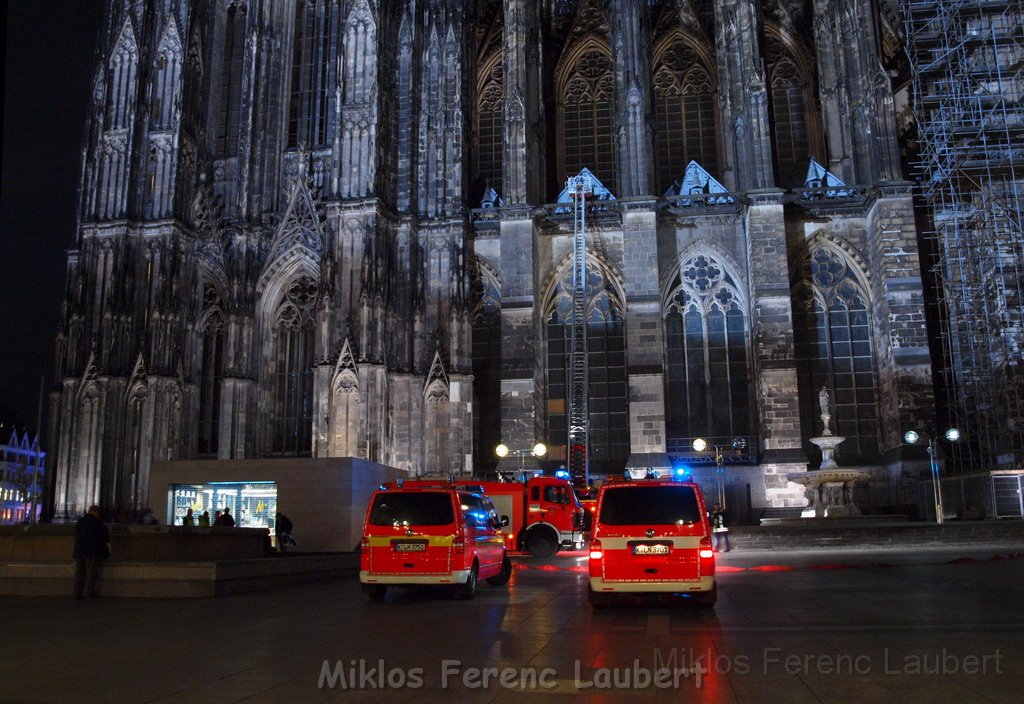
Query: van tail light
[[459, 543], [596, 553], [364, 544], [706, 553]]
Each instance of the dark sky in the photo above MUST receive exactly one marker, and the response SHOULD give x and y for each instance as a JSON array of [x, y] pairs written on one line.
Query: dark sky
[[47, 72]]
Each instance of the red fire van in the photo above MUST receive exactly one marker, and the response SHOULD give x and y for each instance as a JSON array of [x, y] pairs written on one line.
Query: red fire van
[[651, 537], [437, 534]]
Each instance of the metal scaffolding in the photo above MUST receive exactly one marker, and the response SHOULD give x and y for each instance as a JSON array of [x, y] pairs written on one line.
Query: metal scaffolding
[[967, 64]]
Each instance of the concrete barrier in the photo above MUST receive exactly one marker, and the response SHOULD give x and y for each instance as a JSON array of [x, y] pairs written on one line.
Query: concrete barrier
[[135, 543], [177, 579], [812, 533]]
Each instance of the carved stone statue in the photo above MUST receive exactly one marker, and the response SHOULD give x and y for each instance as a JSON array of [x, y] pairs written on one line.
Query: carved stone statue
[[826, 416]]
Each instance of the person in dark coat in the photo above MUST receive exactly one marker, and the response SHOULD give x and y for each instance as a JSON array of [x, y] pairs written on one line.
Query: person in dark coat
[[225, 519], [283, 529], [92, 547]]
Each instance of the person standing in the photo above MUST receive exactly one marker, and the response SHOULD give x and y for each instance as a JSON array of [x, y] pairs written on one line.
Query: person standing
[[204, 520], [188, 519], [225, 519], [719, 531], [283, 529], [92, 547]]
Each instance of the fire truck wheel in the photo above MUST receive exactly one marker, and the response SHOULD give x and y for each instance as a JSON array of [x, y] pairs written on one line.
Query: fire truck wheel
[[706, 600], [468, 590], [541, 542], [503, 576], [376, 591], [598, 600]]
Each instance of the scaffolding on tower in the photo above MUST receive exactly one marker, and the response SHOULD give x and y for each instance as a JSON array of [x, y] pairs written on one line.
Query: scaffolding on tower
[[967, 69], [579, 187]]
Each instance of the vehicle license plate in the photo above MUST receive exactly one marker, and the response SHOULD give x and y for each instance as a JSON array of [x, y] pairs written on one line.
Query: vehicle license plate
[[647, 549], [410, 547]]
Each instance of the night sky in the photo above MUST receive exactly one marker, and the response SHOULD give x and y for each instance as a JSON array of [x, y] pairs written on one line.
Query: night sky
[[47, 72]]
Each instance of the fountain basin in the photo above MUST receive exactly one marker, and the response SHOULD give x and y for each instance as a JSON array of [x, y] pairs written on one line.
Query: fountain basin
[[829, 492]]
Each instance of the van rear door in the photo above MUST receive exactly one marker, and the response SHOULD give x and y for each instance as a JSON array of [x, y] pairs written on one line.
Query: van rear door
[[411, 532], [650, 533]]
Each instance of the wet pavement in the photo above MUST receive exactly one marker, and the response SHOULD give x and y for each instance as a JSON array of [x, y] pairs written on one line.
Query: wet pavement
[[928, 625]]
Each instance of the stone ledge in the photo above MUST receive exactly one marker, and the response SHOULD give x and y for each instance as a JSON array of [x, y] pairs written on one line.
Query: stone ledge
[[809, 533], [177, 579]]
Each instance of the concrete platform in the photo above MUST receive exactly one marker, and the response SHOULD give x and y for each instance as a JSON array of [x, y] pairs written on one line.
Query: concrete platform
[[787, 535], [928, 629], [177, 579]]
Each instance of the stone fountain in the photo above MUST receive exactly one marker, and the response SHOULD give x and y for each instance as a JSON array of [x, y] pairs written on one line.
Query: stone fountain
[[829, 490]]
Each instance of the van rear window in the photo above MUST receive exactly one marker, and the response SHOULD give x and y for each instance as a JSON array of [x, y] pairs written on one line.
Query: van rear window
[[649, 505], [419, 509]]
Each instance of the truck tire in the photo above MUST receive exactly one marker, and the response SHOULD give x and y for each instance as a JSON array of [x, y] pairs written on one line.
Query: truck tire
[[376, 591], [598, 600], [502, 577], [468, 590], [706, 600], [542, 542]]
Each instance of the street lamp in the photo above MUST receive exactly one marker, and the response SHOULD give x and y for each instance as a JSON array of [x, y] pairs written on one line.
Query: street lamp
[[538, 451], [952, 435]]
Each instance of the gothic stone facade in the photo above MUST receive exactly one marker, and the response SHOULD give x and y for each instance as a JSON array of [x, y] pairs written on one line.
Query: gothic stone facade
[[282, 249]]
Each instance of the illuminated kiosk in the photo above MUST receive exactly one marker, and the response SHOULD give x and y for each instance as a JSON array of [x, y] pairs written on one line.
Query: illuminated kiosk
[[325, 498]]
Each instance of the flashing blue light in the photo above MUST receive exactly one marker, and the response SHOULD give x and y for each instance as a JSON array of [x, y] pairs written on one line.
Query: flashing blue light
[[562, 474], [681, 473]]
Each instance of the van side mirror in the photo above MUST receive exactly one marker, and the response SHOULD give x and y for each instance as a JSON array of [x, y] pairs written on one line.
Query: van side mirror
[[503, 521]]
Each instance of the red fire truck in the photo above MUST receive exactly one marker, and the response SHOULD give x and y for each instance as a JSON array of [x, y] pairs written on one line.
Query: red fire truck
[[543, 512]]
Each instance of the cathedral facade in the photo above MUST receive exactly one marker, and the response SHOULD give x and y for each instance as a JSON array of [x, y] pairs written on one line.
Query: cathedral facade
[[338, 228]]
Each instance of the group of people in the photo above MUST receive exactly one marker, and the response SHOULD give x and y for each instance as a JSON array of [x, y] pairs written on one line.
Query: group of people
[[223, 519], [282, 525]]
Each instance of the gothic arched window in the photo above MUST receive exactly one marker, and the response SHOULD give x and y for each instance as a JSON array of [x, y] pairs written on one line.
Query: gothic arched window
[[608, 402], [832, 332], [211, 372], [486, 368], [490, 126], [684, 114], [586, 117], [121, 80], [230, 110], [789, 123], [167, 80], [708, 378], [291, 413], [314, 54]]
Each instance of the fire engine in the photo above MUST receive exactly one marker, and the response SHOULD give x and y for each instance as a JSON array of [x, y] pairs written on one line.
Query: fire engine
[[543, 512]]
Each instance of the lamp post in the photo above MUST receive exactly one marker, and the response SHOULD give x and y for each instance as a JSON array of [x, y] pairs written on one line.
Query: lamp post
[[952, 435], [538, 451], [700, 445]]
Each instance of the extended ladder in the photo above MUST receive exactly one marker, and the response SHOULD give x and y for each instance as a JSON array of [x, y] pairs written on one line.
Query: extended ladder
[[579, 462]]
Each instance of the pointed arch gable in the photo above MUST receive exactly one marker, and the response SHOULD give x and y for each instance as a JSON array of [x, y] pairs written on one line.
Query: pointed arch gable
[[699, 45], [842, 247], [573, 53], [345, 375], [296, 262], [596, 258], [121, 82], [712, 249]]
